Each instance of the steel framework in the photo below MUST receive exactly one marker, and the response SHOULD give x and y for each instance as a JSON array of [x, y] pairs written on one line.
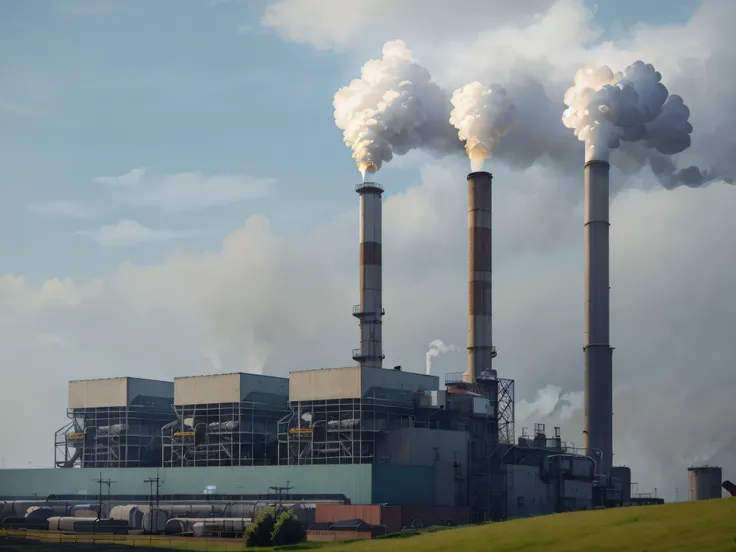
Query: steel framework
[[340, 431], [223, 434], [112, 437]]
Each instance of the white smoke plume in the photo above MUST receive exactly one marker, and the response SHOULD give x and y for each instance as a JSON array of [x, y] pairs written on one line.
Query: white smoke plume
[[393, 108], [436, 348], [549, 401], [481, 116], [605, 108]]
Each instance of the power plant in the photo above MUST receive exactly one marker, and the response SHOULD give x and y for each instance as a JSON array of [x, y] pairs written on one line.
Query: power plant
[[336, 438]]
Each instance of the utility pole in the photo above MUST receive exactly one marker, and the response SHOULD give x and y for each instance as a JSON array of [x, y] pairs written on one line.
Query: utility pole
[[102, 482], [677, 494], [279, 492], [151, 481]]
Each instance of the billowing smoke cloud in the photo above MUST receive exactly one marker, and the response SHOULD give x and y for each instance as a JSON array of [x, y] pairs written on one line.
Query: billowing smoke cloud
[[436, 348], [605, 108], [481, 116], [393, 108]]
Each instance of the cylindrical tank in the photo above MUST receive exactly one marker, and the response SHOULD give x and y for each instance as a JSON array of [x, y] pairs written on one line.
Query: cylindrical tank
[[704, 482], [177, 526], [86, 508], [130, 513], [39, 514], [68, 523], [217, 526], [154, 521], [54, 523]]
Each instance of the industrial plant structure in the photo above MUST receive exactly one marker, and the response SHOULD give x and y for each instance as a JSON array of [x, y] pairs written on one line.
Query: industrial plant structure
[[704, 482], [357, 434]]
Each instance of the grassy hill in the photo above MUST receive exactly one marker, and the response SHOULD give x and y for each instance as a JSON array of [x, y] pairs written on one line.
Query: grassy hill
[[688, 526]]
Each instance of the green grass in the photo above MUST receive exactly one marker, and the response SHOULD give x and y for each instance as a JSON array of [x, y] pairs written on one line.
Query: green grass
[[688, 526]]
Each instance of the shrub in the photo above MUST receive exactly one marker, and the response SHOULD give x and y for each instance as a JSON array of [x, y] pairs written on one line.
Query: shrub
[[288, 530], [259, 532]]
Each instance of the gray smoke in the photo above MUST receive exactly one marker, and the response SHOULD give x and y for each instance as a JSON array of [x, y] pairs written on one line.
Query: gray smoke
[[634, 106]]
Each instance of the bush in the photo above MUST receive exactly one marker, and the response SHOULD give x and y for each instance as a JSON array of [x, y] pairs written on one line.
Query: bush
[[288, 530], [259, 532]]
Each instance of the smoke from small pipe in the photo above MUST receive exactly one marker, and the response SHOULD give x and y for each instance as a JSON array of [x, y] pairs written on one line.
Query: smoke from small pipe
[[393, 108], [605, 108], [481, 116], [436, 348]]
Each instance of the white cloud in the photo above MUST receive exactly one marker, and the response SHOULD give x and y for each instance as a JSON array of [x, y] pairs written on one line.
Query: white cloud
[[62, 208], [127, 233], [185, 191]]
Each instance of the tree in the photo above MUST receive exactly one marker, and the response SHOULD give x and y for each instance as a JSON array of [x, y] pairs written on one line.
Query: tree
[[288, 530], [259, 532]]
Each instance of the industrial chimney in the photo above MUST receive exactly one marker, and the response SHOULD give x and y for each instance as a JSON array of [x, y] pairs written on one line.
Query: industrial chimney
[[370, 310], [598, 352], [480, 328]]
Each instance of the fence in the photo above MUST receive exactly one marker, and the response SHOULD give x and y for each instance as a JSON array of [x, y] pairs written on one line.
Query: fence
[[138, 541]]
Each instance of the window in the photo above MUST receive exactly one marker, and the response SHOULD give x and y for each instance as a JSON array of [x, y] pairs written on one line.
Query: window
[[519, 500]]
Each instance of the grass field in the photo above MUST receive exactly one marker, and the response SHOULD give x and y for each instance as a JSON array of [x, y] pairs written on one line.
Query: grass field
[[688, 526]]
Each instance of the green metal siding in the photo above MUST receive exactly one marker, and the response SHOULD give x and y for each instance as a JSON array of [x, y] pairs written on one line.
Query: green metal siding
[[353, 481], [403, 484]]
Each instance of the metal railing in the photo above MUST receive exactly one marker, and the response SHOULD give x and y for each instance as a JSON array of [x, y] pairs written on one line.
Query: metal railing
[[368, 185]]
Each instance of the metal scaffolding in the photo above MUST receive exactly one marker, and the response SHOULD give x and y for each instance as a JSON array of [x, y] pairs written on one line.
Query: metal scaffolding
[[112, 437], [223, 434], [340, 431]]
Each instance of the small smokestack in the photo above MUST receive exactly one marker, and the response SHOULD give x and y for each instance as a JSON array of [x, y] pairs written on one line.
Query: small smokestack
[[480, 327], [370, 310], [598, 352]]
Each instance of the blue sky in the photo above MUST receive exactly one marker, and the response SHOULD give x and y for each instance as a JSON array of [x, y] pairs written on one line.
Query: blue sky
[[98, 89]]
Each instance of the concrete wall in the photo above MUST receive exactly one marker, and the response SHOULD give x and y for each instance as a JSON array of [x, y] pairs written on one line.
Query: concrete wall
[[325, 384], [354, 481], [225, 388], [438, 449], [115, 392], [98, 393], [527, 494]]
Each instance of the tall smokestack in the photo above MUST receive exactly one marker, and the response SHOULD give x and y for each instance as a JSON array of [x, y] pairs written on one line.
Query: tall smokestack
[[480, 327], [598, 352], [370, 310]]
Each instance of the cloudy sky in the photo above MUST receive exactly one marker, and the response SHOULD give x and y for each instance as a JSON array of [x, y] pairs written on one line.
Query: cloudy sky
[[178, 201]]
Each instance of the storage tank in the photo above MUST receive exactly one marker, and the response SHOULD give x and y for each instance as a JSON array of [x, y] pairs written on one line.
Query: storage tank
[[54, 523], [220, 527], [68, 523], [704, 482], [154, 521], [39, 514], [130, 513], [178, 526]]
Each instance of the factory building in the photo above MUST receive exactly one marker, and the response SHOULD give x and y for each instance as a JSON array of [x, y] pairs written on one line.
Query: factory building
[[225, 420], [355, 435], [114, 423]]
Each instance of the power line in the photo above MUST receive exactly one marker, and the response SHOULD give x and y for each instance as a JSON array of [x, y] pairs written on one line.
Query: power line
[[102, 482]]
